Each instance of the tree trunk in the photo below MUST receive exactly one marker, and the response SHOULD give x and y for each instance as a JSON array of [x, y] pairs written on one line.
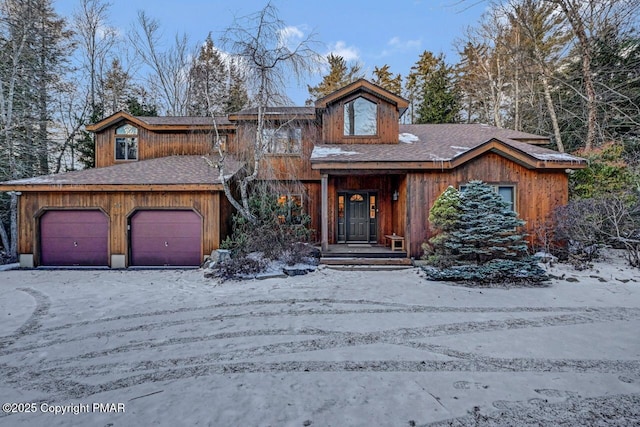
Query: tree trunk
[[4, 238], [551, 109], [12, 249], [572, 12]]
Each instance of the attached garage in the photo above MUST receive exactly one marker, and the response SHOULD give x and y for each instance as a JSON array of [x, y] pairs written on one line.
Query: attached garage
[[74, 238], [166, 238]]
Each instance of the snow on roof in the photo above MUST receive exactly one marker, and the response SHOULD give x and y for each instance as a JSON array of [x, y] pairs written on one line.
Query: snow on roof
[[320, 152], [408, 138], [460, 150], [557, 156]]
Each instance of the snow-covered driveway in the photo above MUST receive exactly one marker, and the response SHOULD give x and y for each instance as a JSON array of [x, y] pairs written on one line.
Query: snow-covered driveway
[[336, 348]]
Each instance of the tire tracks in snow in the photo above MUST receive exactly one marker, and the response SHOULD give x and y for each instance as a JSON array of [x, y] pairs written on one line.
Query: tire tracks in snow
[[58, 376]]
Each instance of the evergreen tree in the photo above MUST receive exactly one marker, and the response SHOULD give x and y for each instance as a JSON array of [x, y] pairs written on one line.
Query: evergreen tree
[[616, 62], [115, 90], [444, 217], [208, 82], [431, 91], [141, 109], [488, 227], [339, 76], [86, 147], [237, 97], [385, 79]]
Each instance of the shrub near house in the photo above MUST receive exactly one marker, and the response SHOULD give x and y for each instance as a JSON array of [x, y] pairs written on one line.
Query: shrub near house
[[479, 239]]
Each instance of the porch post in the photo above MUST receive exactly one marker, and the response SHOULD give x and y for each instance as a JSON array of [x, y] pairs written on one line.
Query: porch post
[[324, 220]]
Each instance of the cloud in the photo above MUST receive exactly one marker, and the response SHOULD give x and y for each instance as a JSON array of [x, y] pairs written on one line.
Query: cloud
[[399, 44], [290, 36], [349, 53], [396, 44]]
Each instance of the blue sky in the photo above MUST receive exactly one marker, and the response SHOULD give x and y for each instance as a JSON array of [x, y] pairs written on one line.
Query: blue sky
[[372, 32]]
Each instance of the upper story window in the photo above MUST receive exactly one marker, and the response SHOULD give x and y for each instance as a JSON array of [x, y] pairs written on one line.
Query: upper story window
[[283, 140], [127, 142], [360, 118]]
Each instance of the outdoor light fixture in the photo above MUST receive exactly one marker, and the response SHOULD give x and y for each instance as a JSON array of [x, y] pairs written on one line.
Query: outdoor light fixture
[[395, 195]]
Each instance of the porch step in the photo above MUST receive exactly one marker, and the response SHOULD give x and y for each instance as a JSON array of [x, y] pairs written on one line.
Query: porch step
[[346, 261]]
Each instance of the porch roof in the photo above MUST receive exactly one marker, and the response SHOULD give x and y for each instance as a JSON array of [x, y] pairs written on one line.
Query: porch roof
[[443, 146], [160, 174]]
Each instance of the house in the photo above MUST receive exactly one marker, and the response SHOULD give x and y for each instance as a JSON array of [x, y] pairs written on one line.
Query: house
[[155, 199]]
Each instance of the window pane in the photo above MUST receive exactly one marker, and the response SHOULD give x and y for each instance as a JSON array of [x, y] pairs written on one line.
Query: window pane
[[132, 152], [290, 209], [121, 149], [126, 148], [507, 195], [283, 141], [127, 130], [360, 118], [372, 207]]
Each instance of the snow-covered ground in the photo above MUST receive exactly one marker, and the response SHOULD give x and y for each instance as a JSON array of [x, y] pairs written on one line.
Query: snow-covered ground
[[333, 348]]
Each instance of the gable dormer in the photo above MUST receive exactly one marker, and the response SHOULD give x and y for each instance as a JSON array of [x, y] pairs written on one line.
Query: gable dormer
[[361, 113], [123, 138]]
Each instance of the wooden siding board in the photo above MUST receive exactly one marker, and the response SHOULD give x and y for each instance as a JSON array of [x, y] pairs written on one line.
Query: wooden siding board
[[333, 123], [152, 144], [538, 193], [118, 206]]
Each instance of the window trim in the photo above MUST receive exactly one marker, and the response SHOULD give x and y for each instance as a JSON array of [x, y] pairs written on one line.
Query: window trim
[[129, 140], [376, 120]]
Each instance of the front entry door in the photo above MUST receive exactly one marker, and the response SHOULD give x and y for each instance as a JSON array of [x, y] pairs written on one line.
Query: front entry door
[[358, 217]]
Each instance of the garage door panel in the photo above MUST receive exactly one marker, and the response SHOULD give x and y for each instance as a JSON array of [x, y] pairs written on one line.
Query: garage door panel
[[74, 238], [62, 230], [168, 231], [166, 238]]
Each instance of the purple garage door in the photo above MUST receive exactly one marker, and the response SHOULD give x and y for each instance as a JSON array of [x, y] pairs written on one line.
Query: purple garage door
[[70, 238], [167, 238]]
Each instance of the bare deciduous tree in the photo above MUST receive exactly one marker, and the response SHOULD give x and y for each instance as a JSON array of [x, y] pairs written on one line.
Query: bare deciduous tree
[[96, 40], [170, 67], [270, 58]]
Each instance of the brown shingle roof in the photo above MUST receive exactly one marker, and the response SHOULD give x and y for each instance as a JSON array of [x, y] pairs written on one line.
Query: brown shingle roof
[[174, 170], [183, 121], [438, 143], [161, 123], [302, 112]]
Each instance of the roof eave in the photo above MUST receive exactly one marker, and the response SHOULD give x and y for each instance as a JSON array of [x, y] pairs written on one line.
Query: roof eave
[[109, 187]]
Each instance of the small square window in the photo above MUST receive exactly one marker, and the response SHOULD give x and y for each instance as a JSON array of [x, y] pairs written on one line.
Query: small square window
[[126, 148]]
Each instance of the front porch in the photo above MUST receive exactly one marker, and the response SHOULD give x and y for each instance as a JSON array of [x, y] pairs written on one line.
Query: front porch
[[360, 214]]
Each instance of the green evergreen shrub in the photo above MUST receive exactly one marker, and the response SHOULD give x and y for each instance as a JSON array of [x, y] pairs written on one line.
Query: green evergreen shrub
[[444, 217], [478, 240], [487, 228]]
